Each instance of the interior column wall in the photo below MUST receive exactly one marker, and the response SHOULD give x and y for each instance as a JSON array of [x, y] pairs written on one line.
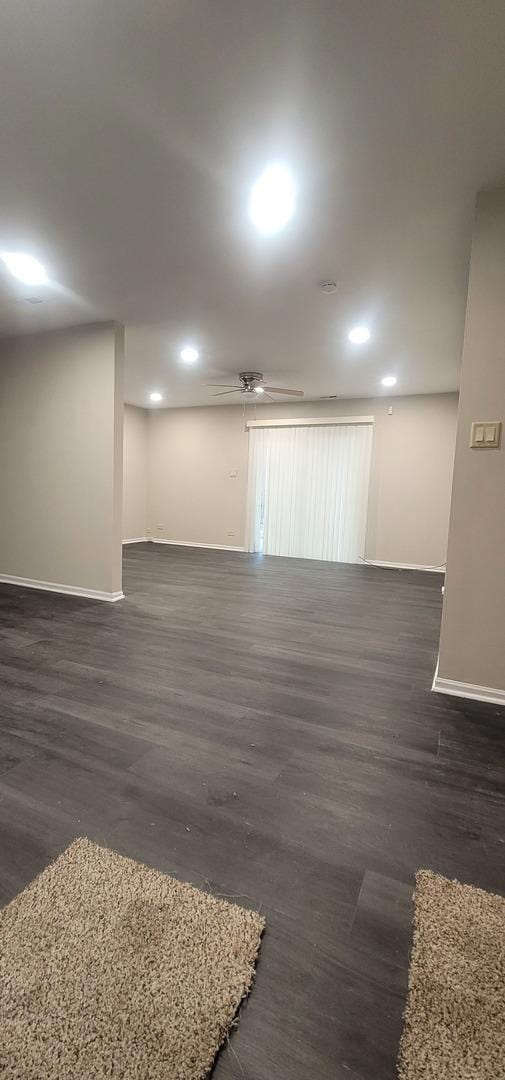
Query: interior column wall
[[61, 446], [472, 643]]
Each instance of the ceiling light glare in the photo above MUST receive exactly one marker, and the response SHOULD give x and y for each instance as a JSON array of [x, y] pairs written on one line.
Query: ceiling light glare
[[389, 380], [259, 390], [359, 335], [189, 355], [156, 396], [272, 200], [24, 267]]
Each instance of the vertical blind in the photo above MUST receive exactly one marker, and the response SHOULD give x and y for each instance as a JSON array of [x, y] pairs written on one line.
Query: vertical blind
[[308, 490]]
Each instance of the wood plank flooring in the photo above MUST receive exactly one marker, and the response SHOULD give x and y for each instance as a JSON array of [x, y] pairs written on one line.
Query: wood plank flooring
[[263, 728]]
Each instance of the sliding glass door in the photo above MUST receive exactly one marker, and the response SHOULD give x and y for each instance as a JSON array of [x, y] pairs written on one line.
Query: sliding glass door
[[308, 490]]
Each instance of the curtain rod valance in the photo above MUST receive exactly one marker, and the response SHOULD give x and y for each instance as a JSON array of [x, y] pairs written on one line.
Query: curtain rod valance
[[309, 421]]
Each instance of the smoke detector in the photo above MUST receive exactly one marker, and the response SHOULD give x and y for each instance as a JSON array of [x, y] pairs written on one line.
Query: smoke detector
[[328, 286]]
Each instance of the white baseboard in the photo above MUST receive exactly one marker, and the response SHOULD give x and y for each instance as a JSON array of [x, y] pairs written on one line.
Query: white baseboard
[[67, 590], [193, 544], [180, 543], [405, 566], [467, 690]]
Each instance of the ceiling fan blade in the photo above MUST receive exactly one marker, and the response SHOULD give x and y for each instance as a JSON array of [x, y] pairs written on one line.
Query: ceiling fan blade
[[222, 393], [233, 386], [280, 390]]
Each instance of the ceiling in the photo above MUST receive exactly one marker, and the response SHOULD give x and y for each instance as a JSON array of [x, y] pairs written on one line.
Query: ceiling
[[131, 133]]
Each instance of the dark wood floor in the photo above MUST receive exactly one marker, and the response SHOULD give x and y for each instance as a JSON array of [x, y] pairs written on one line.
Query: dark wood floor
[[262, 727]]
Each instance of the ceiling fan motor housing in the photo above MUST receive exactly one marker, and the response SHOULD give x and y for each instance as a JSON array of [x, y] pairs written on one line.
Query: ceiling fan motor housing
[[250, 379]]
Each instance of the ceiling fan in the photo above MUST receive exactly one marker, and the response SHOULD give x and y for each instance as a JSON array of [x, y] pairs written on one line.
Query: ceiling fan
[[253, 382]]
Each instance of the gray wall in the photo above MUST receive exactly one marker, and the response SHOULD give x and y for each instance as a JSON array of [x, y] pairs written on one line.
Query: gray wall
[[61, 416], [472, 644], [135, 473], [192, 497]]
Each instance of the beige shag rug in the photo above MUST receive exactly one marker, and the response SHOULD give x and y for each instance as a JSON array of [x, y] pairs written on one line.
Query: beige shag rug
[[109, 969], [455, 1015]]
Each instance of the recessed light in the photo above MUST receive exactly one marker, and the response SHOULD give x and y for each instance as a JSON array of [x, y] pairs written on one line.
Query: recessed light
[[389, 380], [156, 396], [24, 267], [272, 200], [259, 390], [359, 334], [189, 355]]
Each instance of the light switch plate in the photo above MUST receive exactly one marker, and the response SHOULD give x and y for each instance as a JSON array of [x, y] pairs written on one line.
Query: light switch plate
[[485, 435]]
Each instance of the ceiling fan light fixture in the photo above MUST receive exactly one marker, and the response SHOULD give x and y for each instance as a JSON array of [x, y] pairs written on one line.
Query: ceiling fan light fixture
[[253, 382]]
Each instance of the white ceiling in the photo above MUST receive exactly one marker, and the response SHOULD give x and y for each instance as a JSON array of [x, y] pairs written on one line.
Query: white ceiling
[[132, 130]]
